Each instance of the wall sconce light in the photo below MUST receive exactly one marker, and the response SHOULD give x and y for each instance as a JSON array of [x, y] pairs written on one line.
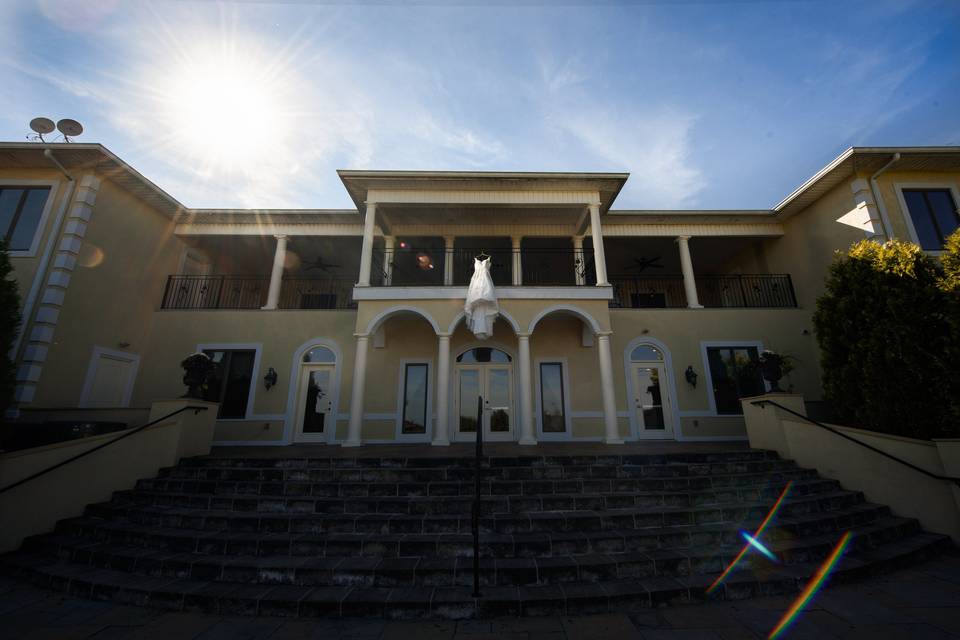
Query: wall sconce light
[[691, 376], [270, 379]]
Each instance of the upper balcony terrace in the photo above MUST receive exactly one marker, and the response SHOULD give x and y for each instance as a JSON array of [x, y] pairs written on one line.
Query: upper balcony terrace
[[320, 272]]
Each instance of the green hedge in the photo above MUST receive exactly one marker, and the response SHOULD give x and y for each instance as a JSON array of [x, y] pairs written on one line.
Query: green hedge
[[889, 333]]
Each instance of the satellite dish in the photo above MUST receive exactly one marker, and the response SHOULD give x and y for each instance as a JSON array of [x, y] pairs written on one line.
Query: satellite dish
[[42, 125], [69, 128]]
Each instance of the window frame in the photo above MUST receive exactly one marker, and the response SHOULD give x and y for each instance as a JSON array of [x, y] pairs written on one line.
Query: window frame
[[54, 186], [567, 434], [705, 362], [399, 435], [899, 188], [257, 348]]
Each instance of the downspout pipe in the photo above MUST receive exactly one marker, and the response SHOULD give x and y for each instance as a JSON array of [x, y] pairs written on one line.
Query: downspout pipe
[[875, 191], [48, 154]]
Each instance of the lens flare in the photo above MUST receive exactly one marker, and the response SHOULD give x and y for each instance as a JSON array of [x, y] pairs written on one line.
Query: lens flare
[[756, 534], [759, 546], [812, 587]]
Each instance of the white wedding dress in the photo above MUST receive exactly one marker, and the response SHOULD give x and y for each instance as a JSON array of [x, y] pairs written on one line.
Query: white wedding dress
[[481, 305]]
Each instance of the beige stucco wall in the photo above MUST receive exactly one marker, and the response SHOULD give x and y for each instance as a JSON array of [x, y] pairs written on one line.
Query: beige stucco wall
[[126, 255]]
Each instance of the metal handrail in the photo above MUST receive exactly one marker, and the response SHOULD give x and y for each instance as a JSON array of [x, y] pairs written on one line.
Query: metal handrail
[[476, 501], [761, 403], [196, 409]]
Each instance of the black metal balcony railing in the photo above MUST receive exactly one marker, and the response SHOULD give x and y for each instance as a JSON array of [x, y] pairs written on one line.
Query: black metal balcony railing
[[411, 266], [730, 291], [250, 292]]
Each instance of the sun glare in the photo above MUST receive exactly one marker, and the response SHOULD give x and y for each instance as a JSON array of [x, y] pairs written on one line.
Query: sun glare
[[225, 110]]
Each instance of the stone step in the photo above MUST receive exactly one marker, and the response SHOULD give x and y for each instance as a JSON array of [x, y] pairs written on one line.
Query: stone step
[[467, 473], [590, 520], [361, 461], [455, 602], [769, 484], [463, 504], [443, 545], [451, 571]]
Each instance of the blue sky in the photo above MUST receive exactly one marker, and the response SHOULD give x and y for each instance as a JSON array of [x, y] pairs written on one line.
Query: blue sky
[[707, 104]]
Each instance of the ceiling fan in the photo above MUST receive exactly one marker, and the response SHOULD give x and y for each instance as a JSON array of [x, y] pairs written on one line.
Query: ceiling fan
[[318, 263], [643, 263]]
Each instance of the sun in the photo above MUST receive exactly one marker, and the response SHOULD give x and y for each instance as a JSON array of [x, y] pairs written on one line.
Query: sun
[[224, 108]]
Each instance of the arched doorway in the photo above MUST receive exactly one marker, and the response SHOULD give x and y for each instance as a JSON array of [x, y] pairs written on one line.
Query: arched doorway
[[650, 392], [315, 419], [486, 372]]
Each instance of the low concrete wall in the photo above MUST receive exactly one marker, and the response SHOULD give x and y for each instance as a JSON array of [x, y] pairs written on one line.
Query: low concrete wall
[[35, 507], [909, 493]]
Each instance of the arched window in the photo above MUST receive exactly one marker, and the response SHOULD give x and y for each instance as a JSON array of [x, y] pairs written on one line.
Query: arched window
[[483, 355], [646, 353], [319, 354]]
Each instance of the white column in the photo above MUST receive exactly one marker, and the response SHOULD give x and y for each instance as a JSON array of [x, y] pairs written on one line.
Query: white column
[[526, 391], [689, 281], [276, 274], [366, 250], [600, 261], [441, 430], [612, 433], [448, 242], [578, 264], [517, 262], [389, 244], [356, 396]]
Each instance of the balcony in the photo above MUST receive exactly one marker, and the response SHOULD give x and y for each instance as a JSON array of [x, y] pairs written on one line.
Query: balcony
[[750, 291], [250, 292]]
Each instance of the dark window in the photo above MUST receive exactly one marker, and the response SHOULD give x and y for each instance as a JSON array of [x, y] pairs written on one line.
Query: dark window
[[552, 413], [934, 215], [735, 374], [20, 211], [229, 383], [483, 355], [414, 399]]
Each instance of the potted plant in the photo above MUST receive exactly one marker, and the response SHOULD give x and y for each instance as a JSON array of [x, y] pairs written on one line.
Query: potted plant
[[197, 368], [773, 366]]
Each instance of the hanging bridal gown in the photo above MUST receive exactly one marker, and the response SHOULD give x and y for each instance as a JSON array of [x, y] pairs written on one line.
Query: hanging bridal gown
[[481, 305]]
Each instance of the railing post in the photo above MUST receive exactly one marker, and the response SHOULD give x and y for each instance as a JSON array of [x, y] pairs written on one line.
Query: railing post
[[743, 292], [476, 500]]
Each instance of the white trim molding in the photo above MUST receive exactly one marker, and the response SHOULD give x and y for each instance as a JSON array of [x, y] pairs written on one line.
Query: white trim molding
[[577, 311], [705, 361], [427, 436], [95, 355], [504, 293], [898, 188], [385, 315]]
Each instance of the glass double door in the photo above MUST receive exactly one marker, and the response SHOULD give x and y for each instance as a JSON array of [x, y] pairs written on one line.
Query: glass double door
[[493, 383], [650, 401]]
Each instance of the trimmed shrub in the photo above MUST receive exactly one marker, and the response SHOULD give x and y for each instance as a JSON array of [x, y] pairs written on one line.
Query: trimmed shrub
[[9, 322], [890, 341]]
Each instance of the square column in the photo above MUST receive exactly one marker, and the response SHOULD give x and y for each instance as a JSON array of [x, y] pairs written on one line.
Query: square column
[[276, 274], [366, 250], [441, 430], [526, 390], [600, 261], [448, 242], [611, 431], [356, 396], [689, 281], [578, 265], [516, 263]]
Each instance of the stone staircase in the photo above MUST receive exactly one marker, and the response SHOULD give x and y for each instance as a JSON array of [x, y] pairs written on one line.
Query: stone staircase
[[391, 537]]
